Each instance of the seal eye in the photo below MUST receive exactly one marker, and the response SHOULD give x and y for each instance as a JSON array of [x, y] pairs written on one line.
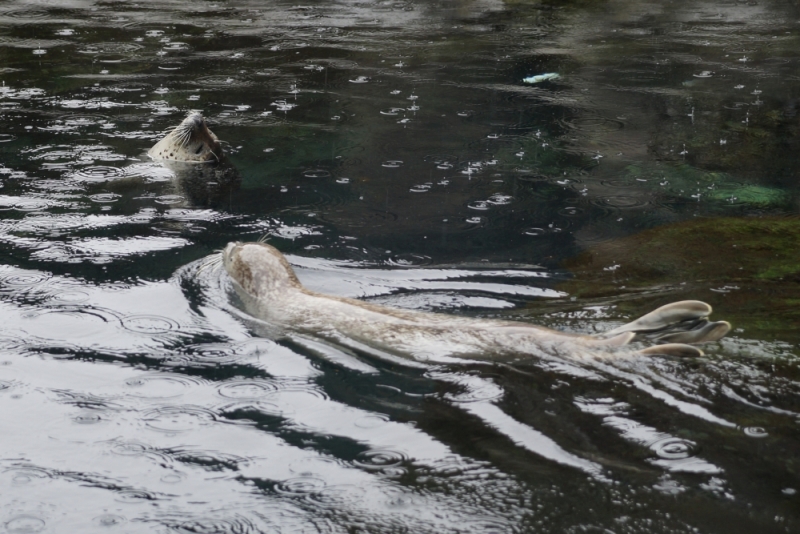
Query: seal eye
[[199, 149]]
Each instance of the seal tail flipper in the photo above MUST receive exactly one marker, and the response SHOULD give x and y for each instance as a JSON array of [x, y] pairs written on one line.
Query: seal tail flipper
[[665, 316], [672, 349], [710, 331]]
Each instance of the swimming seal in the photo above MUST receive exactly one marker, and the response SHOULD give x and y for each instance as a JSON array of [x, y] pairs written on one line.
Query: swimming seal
[[190, 141], [271, 291]]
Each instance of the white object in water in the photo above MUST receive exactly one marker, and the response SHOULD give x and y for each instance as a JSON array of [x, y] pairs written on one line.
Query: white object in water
[[541, 77]]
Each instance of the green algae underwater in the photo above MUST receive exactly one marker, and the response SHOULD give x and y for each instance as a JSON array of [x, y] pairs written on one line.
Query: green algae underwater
[[747, 267]]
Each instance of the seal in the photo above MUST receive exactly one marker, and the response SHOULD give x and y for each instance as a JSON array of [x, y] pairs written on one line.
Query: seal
[[271, 292], [190, 141], [183, 148]]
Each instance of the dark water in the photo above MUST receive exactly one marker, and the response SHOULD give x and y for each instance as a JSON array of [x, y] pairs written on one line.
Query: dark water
[[393, 152]]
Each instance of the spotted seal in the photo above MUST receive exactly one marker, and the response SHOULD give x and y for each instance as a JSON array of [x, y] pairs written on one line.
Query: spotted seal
[[271, 291], [190, 141], [201, 172]]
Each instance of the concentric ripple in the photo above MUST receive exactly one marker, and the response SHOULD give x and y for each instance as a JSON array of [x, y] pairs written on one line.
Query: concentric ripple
[[169, 199], [98, 173], [25, 524], [27, 474], [673, 448], [88, 418], [149, 324], [216, 353], [247, 389], [111, 48], [108, 520], [622, 202], [103, 198], [372, 421], [159, 386], [755, 432], [378, 459], [69, 296], [179, 418], [17, 281], [316, 173], [300, 486]]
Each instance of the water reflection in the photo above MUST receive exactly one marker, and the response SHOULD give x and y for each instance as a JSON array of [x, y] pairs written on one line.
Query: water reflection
[[395, 151]]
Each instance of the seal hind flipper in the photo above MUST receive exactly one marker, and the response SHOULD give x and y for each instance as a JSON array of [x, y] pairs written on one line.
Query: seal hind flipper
[[665, 317], [710, 331], [672, 349]]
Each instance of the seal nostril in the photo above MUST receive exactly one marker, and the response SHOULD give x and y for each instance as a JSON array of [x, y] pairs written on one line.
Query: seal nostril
[[199, 149]]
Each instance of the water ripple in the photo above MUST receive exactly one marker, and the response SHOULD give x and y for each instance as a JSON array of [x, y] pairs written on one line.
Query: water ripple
[[378, 459], [97, 174], [149, 324], [159, 386], [316, 173], [108, 520], [300, 486], [27, 474], [755, 432], [104, 198], [672, 448], [179, 418], [20, 281], [25, 524], [247, 389]]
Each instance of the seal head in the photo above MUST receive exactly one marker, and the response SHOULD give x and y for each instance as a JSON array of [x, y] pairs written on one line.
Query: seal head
[[260, 270], [191, 141]]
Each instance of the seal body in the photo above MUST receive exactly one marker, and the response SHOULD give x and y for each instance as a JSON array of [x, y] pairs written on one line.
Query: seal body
[[190, 141], [271, 291]]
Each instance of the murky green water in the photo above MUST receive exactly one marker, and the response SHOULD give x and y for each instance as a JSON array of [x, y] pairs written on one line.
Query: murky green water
[[394, 153]]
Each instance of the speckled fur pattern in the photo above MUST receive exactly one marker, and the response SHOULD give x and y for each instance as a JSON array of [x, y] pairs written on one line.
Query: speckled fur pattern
[[191, 141], [271, 291]]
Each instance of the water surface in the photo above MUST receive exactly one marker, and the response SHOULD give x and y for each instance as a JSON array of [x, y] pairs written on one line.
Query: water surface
[[394, 153]]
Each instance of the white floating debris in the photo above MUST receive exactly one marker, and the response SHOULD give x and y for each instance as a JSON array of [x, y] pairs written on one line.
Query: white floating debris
[[541, 77]]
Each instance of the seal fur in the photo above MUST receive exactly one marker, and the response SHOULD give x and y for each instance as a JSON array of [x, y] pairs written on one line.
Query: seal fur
[[190, 141], [271, 291]]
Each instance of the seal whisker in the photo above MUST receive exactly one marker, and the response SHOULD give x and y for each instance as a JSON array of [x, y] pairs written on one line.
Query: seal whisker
[[213, 263]]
